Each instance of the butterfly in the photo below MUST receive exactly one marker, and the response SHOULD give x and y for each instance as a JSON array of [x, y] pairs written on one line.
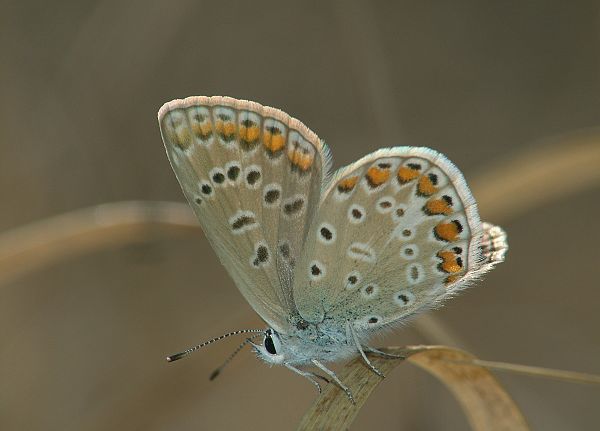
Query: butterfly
[[327, 261]]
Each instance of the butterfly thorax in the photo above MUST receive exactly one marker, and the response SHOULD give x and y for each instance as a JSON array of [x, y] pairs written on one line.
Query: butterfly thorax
[[306, 341]]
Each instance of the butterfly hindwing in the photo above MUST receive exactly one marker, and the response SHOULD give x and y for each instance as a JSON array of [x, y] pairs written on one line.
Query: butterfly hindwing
[[253, 176], [395, 233]]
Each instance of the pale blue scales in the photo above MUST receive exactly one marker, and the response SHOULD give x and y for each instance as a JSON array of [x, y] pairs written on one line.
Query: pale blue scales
[[325, 261]]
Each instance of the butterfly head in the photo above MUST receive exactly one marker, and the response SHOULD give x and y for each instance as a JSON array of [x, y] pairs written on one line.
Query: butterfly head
[[271, 350]]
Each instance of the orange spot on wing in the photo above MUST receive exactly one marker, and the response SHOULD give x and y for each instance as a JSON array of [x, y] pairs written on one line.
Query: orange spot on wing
[[249, 134], [437, 206], [202, 130], [301, 159], [347, 184], [182, 138], [406, 174], [225, 129], [447, 231], [450, 261], [272, 142], [376, 176], [305, 162], [229, 129], [426, 187]]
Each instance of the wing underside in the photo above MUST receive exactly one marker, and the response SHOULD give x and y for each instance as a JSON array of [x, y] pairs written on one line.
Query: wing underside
[[396, 232], [253, 176]]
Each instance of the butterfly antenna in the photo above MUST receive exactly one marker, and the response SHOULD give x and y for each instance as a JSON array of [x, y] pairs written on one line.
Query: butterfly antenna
[[180, 355], [216, 372]]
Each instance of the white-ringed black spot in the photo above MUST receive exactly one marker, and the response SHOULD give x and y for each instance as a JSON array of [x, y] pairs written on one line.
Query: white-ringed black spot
[[385, 204], [409, 251], [415, 166], [447, 199], [356, 214], [233, 172], [316, 270], [406, 232], [272, 196], [198, 200], [242, 221], [415, 273], [352, 280], [369, 291], [261, 255], [206, 189], [457, 250], [218, 177], [373, 320], [404, 298], [252, 177], [326, 233], [293, 206]]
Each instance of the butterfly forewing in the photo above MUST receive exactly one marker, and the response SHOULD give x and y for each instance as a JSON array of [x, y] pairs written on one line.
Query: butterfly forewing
[[253, 176], [395, 232]]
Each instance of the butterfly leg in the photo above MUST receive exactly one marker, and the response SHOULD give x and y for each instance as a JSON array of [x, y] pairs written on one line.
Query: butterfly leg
[[352, 333], [384, 354], [310, 376], [334, 377]]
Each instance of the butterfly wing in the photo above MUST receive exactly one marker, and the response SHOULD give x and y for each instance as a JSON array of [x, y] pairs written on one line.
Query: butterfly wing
[[253, 176], [396, 232]]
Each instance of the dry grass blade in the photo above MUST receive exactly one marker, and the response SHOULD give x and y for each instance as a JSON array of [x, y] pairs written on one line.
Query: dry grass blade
[[484, 401], [562, 375], [34, 246], [567, 165]]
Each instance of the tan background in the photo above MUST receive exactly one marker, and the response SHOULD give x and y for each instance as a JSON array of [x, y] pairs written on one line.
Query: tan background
[[82, 341]]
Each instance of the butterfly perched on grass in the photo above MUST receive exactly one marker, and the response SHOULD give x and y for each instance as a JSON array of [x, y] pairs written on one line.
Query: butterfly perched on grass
[[327, 261]]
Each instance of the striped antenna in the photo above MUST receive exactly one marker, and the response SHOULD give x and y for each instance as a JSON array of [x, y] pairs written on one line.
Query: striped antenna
[[216, 372], [180, 355]]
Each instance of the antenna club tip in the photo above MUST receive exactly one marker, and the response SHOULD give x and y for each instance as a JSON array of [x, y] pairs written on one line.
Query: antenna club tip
[[175, 357], [214, 375]]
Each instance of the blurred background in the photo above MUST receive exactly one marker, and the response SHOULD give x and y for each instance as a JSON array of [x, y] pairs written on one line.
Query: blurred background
[[502, 88]]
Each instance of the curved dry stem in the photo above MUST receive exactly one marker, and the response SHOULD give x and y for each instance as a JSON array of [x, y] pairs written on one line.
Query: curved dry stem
[[34, 246], [538, 176], [484, 401], [548, 373]]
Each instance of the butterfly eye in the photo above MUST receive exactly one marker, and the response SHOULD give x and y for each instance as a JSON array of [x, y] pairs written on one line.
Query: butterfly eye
[[270, 345]]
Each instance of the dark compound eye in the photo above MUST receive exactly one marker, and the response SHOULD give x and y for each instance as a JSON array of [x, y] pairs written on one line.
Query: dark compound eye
[[269, 345]]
